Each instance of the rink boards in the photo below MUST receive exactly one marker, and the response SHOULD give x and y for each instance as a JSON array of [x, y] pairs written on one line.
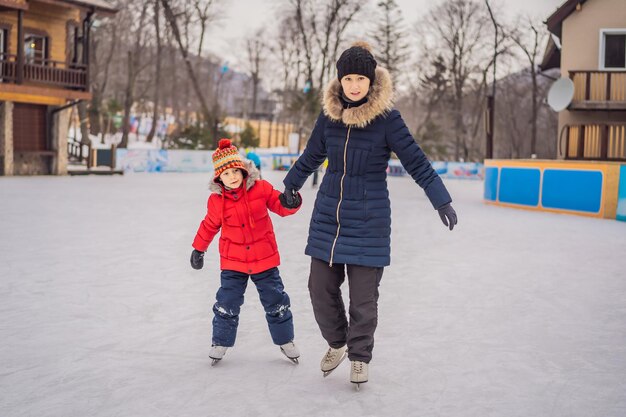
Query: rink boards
[[587, 188]]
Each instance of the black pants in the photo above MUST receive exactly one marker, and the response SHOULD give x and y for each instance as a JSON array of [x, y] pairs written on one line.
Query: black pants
[[330, 313]]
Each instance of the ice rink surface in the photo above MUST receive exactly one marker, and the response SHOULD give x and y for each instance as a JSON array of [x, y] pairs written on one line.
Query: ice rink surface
[[513, 314]]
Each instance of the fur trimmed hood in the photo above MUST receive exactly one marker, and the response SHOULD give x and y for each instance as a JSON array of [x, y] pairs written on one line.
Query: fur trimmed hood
[[379, 101], [253, 176]]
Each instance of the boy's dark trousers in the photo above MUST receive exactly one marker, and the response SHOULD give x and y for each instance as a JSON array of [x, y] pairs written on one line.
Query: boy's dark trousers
[[230, 299], [324, 287]]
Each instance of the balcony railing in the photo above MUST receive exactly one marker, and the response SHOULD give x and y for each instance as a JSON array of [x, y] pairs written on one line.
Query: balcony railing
[[45, 71], [599, 90], [599, 142]]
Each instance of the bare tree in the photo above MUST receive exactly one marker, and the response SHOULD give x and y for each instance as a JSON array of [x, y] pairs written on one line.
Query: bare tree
[[322, 26], [286, 48], [530, 46], [206, 12], [173, 23], [492, 106], [255, 48], [134, 60], [104, 42], [456, 30], [157, 73]]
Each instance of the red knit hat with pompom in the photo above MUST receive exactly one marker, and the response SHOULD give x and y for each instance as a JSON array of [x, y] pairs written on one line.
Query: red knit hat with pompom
[[225, 157]]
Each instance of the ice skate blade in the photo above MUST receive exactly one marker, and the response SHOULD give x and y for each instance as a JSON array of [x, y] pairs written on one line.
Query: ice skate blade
[[357, 385], [293, 360], [215, 361]]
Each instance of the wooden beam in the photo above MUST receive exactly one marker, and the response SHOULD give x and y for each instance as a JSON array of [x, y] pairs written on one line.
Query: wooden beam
[[598, 105], [604, 141], [14, 4], [39, 95], [20, 47]]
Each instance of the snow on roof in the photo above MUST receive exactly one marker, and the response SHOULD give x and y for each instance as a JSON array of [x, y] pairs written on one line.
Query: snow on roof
[[101, 6]]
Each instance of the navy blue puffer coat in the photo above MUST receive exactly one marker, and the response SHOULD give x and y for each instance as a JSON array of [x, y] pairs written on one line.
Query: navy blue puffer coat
[[351, 221]]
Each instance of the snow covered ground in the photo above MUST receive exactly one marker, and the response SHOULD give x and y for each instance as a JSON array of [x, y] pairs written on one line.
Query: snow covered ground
[[514, 313]]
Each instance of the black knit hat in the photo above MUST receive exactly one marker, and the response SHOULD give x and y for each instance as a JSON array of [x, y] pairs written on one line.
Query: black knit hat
[[357, 59]]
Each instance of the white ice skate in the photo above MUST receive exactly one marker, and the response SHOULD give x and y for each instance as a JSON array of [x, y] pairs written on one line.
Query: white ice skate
[[217, 353], [332, 359], [358, 373], [291, 351]]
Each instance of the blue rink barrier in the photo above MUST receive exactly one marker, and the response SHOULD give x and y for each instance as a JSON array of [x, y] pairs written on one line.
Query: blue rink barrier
[[587, 188]]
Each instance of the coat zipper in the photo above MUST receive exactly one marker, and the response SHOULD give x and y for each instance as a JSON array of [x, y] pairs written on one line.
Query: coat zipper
[[345, 153]]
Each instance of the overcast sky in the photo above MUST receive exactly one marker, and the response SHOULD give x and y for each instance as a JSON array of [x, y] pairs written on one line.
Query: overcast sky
[[242, 17]]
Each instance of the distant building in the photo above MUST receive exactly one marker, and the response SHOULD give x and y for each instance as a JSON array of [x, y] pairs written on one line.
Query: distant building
[[592, 53], [589, 176], [44, 61]]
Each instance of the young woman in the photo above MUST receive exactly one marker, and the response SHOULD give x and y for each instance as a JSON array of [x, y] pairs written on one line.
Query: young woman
[[351, 223]]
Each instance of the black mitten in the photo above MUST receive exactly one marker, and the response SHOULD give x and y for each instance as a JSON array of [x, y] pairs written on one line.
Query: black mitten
[[290, 199], [197, 259], [448, 215]]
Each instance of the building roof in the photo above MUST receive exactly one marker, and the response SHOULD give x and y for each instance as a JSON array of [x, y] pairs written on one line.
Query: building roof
[[99, 6], [555, 21], [551, 57]]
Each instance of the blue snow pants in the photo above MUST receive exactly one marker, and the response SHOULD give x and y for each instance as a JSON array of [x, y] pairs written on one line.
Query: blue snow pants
[[273, 297]]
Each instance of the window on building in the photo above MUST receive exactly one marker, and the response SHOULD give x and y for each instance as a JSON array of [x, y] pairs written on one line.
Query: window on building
[[3, 43], [35, 49], [74, 46], [613, 49], [4, 67]]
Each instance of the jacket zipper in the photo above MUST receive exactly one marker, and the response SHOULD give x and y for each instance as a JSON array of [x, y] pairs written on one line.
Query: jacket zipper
[[345, 152]]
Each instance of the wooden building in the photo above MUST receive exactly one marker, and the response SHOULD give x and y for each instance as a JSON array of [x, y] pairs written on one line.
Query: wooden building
[[592, 52], [44, 62], [589, 176]]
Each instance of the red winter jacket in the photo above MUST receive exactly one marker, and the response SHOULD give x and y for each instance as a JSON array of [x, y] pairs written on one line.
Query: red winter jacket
[[247, 243]]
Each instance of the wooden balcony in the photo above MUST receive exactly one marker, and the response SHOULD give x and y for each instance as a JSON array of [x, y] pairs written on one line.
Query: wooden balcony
[[45, 71], [598, 90], [598, 142]]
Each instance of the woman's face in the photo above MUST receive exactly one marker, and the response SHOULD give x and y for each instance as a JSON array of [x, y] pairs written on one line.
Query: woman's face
[[355, 86]]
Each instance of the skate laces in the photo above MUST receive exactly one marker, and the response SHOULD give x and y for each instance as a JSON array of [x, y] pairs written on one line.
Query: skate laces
[[331, 355], [357, 366]]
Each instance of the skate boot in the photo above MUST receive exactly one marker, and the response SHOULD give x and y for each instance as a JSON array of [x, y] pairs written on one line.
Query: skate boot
[[290, 350], [217, 353], [358, 373], [332, 359]]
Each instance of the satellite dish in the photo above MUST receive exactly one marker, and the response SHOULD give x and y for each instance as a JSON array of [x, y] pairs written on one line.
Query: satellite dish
[[561, 94]]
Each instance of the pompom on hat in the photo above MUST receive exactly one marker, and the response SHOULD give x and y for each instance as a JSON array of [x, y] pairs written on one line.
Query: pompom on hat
[[225, 157], [357, 59]]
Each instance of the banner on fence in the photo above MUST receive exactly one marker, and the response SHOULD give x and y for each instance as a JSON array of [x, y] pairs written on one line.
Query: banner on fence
[[155, 160], [459, 170], [148, 160]]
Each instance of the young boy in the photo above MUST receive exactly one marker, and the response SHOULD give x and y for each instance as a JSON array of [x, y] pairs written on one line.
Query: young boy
[[247, 247]]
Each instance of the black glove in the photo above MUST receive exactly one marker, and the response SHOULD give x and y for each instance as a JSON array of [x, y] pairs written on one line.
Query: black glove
[[448, 215], [290, 199], [197, 259]]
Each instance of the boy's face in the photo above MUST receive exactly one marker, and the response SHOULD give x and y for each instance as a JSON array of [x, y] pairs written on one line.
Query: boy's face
[[232, 178], [355, 86]]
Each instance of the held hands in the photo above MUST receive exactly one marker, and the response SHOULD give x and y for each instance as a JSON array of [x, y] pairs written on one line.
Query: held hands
[[290, 199], [197, 259], [448, 215]]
